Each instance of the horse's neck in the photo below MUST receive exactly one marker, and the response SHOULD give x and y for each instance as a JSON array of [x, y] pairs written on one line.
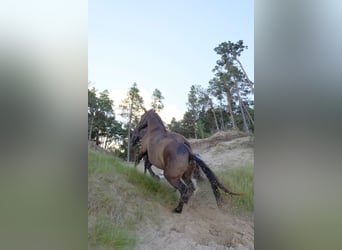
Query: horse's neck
[[155, 125], [157, 128]]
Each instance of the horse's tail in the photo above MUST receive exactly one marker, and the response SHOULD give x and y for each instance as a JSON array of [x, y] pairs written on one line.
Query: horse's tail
[[212, 177]]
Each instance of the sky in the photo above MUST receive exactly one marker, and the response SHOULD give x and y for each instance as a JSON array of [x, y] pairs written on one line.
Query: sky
[[163, 44]]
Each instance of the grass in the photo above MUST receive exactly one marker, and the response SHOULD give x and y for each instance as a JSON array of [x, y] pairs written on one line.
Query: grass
[[101, 163], [240, 180], [111, 236], [147, 186], [119, 197]]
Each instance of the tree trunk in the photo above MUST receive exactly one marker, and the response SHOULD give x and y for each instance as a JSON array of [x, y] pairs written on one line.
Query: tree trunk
[[230, 108], [221, 117], [251, 84], [129, 142], [106, 141], [249, 115], [241, 108], [129, 135], [91, 127], [213, 110]]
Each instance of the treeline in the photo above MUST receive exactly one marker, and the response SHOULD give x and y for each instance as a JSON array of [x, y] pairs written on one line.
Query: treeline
[[227, 102]]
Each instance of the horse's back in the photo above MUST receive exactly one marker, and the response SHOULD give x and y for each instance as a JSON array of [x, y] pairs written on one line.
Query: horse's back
[[167, 151]]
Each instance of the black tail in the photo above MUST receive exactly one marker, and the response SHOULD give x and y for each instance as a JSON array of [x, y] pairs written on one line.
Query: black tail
[[215, 184], [211, 176]]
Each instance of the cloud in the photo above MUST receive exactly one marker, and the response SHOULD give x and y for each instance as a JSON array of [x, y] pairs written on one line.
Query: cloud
[[170, 111]]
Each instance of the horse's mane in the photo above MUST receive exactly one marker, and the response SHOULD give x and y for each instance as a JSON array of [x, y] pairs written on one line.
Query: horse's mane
[[152, 114]]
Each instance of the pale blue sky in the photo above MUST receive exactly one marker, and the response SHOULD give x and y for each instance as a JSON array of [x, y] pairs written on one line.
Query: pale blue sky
[[167, 45]]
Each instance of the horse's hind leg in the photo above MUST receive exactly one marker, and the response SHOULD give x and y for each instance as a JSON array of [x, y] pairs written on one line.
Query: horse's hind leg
[[182, 188], [190, 190], [187, 179], [197, 174]]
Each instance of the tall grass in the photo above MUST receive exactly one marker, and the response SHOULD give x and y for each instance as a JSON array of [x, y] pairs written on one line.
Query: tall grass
[[101, 163], [149, 187], [109, 235], [240, 180], [119, 197]]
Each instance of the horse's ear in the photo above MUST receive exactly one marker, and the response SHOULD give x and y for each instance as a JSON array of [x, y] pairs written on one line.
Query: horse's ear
[[144, 108]]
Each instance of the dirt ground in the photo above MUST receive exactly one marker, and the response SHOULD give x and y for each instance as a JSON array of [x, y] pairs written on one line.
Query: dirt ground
[[202, 225]]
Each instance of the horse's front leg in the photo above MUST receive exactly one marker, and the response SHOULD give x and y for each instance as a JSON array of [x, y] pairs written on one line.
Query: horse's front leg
[[148, 166], [138, 157], [142, 152]]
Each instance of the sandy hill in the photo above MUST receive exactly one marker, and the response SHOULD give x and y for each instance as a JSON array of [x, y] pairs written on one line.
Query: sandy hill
[[201, 225]]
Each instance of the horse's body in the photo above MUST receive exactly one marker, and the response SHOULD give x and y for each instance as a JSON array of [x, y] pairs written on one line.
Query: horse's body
[[166, 151], [143, 151]]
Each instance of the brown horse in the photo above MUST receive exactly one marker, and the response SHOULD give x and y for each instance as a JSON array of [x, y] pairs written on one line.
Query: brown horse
[[138, 135], [174, 157]]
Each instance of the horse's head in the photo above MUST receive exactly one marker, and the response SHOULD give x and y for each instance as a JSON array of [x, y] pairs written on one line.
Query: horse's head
[[138, 134], [135, 137], [141, 128]]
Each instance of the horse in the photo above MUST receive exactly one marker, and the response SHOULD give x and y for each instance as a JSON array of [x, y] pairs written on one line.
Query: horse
[[139, 134], [175, 158], [147, 165]]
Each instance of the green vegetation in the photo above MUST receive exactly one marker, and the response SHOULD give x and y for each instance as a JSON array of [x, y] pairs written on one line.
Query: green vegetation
[[108, 234], [225, 102], [119, 197], [147, 186], [240, 180]]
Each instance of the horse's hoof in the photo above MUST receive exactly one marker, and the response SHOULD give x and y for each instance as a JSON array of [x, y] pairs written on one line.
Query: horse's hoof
[[178, 210], [220, 203]]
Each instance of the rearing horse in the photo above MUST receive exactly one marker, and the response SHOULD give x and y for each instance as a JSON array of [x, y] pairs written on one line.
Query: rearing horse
[[174, 157]]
